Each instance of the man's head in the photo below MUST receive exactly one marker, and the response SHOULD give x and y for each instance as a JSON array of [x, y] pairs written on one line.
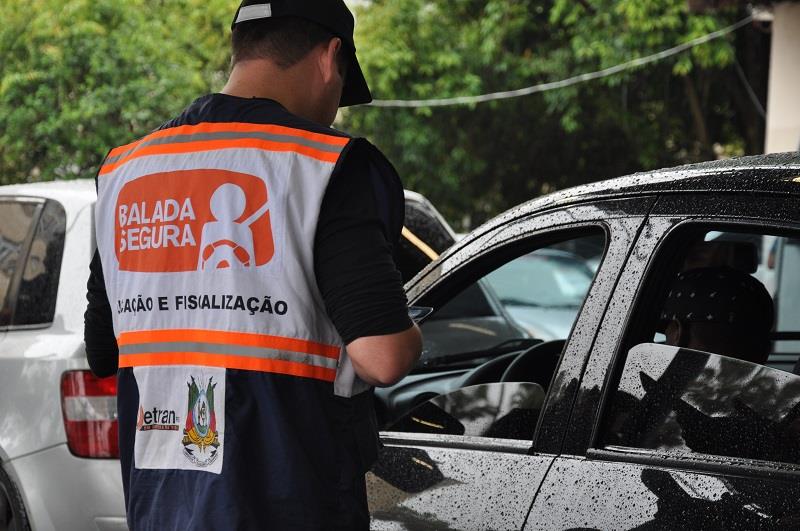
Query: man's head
[[720, 310], [299, 52]]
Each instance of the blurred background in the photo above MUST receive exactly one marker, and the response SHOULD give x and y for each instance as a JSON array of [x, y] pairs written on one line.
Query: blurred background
[[78, 77]]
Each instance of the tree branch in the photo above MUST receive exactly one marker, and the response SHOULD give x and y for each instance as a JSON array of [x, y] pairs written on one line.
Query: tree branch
[[698, 117]]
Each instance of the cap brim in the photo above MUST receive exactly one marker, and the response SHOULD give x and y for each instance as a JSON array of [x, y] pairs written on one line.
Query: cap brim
[[355, 90]]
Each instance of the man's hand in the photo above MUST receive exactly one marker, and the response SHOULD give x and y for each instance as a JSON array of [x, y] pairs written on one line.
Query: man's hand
[[383, 361]]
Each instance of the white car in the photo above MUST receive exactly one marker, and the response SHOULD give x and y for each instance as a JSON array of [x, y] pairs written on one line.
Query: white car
[[58, 434], [58, 428]]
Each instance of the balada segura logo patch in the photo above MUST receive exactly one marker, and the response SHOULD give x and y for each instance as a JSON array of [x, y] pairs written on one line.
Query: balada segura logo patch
[[193, 220], [200, 437]]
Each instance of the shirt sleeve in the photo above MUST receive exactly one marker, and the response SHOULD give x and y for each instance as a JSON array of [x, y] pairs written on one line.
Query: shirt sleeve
[[98, 328], [360, 223]]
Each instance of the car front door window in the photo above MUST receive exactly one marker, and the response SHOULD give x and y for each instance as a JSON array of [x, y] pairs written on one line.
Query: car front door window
[[494, 347]]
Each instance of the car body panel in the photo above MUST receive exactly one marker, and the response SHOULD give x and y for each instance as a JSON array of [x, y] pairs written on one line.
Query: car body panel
[[64, 493], [587, 494], [60, 491], [418, 488], [30, 389]]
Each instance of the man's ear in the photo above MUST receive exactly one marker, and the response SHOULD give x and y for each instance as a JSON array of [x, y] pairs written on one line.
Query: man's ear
[[328, 64]]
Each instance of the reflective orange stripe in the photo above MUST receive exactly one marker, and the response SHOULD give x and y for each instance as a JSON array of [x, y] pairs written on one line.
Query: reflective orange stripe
[[235, 127], [122, 149], [229, 338], [192, 147], [230, 127], [227, 362]]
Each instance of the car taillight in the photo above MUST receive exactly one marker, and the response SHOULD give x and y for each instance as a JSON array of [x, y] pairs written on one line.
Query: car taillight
[[89, 406]]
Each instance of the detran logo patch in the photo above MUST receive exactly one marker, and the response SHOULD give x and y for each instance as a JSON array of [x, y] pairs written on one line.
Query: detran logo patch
[[193, 220]]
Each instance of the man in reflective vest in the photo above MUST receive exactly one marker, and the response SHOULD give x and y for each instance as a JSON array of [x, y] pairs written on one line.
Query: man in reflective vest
[[244, 289]]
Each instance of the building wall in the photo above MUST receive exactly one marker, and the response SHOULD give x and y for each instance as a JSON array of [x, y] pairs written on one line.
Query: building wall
[[783, 98]]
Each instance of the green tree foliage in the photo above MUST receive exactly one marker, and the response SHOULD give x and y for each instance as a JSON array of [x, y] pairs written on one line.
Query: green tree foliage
[[78, 77], [483, 158]]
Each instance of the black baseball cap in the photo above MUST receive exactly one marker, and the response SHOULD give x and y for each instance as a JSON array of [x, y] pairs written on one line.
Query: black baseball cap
[[332, 15]]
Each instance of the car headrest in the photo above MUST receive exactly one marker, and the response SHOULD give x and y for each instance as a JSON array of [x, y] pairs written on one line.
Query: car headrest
[[739, 255]]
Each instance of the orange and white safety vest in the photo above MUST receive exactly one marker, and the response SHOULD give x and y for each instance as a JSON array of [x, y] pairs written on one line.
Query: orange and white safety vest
[[206, 233]]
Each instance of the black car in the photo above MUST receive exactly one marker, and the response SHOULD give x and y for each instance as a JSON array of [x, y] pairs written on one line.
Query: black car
[[614, 426]]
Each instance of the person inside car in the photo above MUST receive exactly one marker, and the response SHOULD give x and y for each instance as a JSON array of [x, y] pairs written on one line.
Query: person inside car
[[720, 310]]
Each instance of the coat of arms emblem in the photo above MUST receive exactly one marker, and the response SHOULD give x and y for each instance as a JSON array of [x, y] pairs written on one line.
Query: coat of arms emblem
[[200, 436]]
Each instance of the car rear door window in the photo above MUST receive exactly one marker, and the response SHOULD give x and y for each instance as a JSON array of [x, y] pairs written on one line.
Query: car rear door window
[[36, 299], [16, 224], [31, 246], [710, 350]]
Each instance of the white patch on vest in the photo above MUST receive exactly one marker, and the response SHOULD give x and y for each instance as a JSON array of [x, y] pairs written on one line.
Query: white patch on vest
[[181, 419], [254, 12]]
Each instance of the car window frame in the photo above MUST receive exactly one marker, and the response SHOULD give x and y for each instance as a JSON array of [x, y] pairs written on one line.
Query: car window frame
[[605, 363], [620, 219], [16, 280]]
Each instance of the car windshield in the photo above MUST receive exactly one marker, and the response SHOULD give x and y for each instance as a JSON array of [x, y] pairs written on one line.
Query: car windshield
[[546, 279]]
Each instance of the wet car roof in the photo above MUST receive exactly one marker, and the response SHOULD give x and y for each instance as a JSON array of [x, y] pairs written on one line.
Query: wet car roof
[[777, 173]]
